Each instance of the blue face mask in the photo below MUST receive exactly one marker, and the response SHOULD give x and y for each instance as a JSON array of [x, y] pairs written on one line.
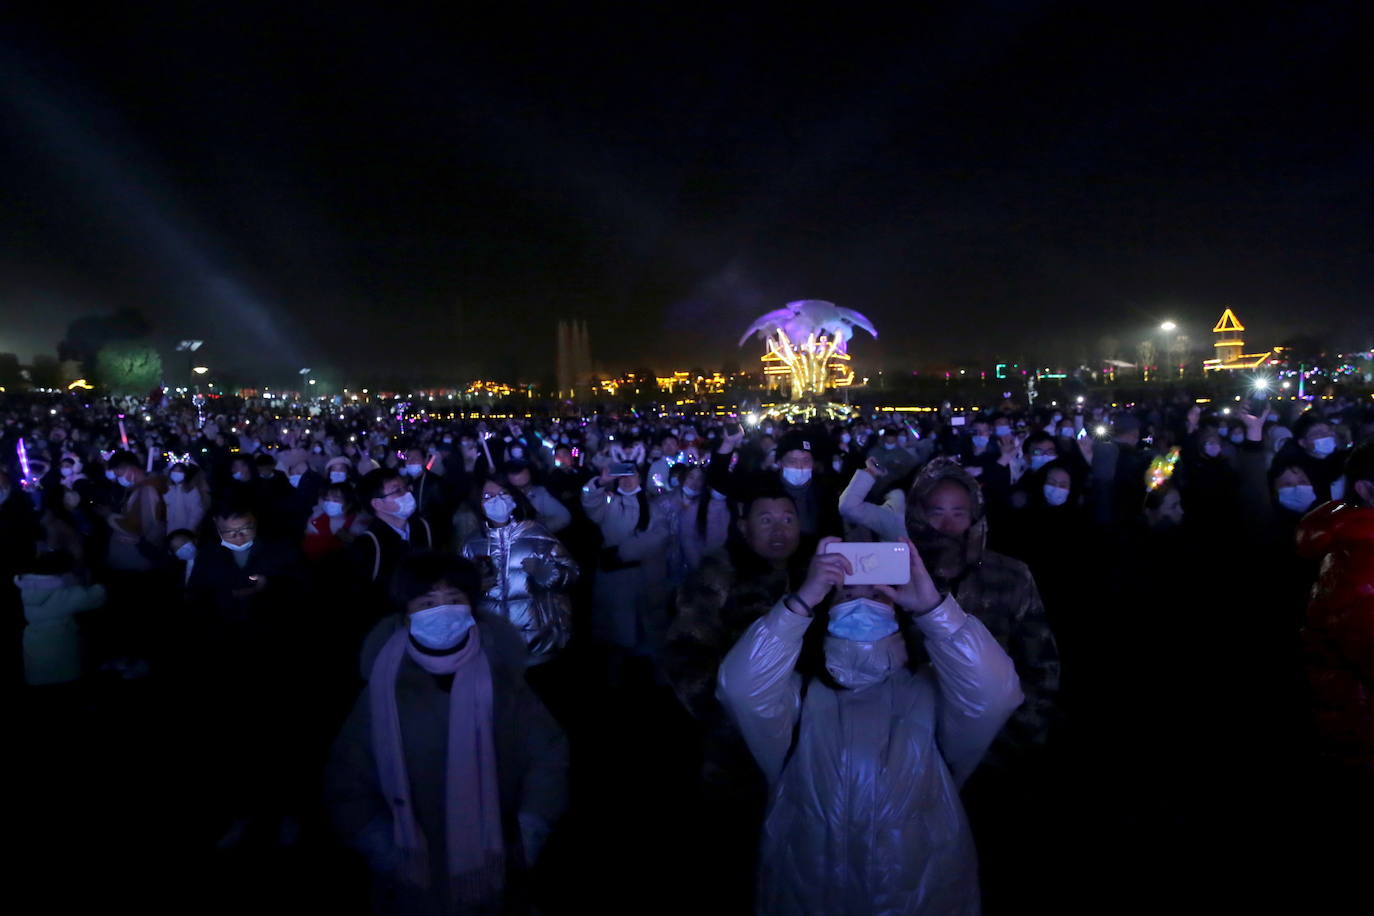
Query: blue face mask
[[1039, 461], [441, 627], [1056, 496], [1297, 499], [862, 620], [980, 442]]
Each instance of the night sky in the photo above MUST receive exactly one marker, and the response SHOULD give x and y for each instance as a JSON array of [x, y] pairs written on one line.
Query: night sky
[[381, 188]]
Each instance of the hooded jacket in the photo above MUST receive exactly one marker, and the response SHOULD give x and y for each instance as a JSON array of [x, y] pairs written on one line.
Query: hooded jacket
[[535, 600], [1001, 593], [864, 813], [1339, 636]]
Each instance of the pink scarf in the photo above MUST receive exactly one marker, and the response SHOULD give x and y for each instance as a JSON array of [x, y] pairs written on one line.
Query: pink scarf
[[472, 809]]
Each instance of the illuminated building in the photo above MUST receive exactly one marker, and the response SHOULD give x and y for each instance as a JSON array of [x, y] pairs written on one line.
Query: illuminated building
[[494, 389], [682, 382], [806, 344], [1230, 347]]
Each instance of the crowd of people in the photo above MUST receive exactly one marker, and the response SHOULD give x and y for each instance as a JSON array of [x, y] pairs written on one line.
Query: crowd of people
[[422, 644]]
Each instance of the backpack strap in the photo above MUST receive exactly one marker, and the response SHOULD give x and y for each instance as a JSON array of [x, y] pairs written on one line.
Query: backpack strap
[[377, 548]]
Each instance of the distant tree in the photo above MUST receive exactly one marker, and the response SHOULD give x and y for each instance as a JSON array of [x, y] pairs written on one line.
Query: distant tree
[[87, 335], [1108, 347], [10, 373], [128, 367], [45, 372], [1145, 353]]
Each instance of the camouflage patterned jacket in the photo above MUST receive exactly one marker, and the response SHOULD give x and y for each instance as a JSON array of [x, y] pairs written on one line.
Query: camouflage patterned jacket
[[720, 599], [1001, 593]]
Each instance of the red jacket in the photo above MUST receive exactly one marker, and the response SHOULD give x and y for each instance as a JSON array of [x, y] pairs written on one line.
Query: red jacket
[[320, 539], [1339, 638]]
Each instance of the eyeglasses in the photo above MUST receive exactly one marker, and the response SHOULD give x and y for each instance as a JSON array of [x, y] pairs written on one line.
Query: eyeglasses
[[399, 491], [491, 496], [235, 532]]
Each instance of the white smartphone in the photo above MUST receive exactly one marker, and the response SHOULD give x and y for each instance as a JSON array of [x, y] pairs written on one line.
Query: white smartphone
[[881, 563], [956, 421]]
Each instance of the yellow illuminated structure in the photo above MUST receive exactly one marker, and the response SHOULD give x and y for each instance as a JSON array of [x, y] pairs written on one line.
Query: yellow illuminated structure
[[807, 343], [1230, 347], [496, 389], [682, 382], [813, 367]]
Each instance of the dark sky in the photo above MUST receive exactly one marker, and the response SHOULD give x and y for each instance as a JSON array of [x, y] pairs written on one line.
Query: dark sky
[[385, 188]]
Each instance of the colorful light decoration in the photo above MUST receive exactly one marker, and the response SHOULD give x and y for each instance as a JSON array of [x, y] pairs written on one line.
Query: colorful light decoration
[[1161, 469], [808, 342]]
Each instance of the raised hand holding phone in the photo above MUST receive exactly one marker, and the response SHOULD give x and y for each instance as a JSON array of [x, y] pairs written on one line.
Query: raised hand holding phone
[[919, 595], [826, 571]]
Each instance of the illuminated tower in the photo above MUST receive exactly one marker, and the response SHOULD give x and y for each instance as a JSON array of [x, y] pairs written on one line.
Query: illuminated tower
[[1230, 346], [1229, 342]]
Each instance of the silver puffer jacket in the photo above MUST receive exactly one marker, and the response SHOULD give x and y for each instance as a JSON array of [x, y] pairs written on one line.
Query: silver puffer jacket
[[526, 582]]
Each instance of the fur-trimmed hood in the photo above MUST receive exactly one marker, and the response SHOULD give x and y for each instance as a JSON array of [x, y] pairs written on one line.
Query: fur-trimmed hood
[[932, 475]]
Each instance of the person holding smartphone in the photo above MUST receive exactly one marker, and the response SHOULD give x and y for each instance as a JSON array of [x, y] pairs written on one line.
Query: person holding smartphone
[[865, 754], [629, 604]]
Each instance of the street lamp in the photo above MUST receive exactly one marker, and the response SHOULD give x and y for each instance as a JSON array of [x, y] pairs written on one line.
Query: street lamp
[[1168, 326], [200, 370]]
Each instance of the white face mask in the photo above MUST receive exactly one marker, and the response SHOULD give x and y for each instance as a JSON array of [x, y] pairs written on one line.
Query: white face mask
[[441, 627], [239, 475], [125, 481], [1056, 496], [295, 479], [332, 508], [1039, 461], [405, 505], [845, 438], [68, 471], [1237, 438], [1212, 449], [237, 548], [109, 475], [177, 476], [499, 508], [1338, 488], [796, 477], [186, 552], [1324, 446], [338, 476], [414, 470], [1002, 431], [1066, 432]]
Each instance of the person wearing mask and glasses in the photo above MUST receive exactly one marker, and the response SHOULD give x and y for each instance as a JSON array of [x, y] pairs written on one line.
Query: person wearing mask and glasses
[[394, 531]]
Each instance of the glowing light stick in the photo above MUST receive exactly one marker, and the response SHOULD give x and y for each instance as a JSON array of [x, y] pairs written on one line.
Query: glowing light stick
[[123, 436], [23, 451]]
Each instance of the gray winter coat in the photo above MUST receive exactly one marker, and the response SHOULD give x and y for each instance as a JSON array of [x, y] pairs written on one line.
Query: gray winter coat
[[629, 601]]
